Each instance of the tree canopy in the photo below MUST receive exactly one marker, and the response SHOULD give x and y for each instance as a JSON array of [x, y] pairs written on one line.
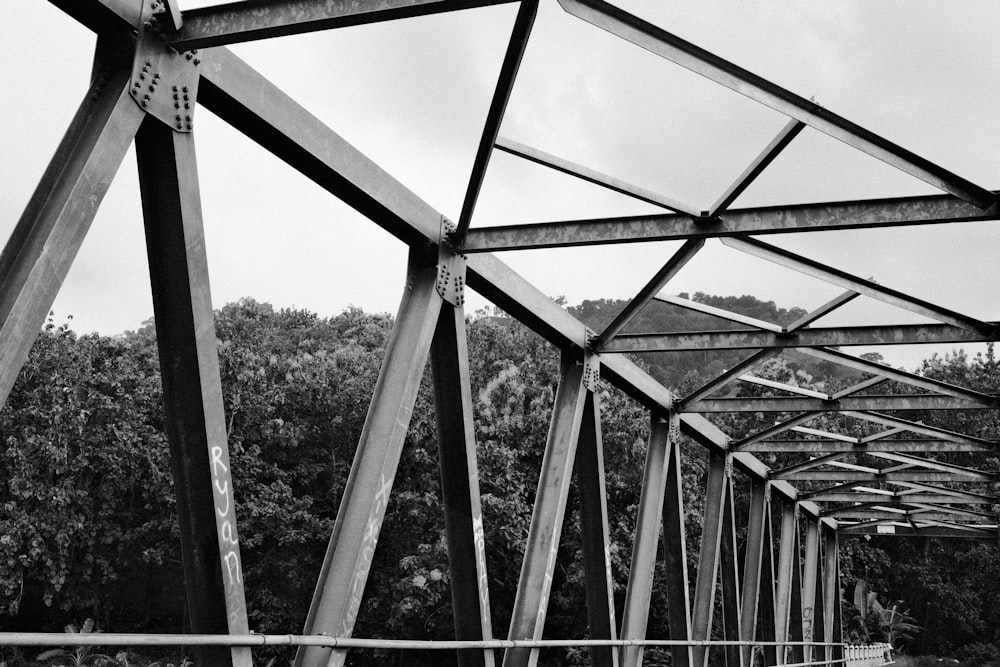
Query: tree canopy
[[89, 528]]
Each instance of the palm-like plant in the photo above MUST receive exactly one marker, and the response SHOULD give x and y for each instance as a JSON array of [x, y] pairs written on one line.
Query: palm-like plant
[[80, 656], [890, 624]]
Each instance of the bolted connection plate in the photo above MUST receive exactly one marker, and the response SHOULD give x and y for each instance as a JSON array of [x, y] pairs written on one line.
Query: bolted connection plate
[[164, 83]]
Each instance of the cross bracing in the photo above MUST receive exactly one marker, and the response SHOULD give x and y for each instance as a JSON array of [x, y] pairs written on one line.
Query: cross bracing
[[876, 473]]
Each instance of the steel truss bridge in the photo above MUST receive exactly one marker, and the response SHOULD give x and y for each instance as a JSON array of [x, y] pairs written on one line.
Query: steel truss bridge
[[154, 65]]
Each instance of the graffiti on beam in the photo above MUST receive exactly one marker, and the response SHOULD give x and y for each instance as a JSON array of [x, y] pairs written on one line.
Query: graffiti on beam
[[229, 543], [365, 555], [807, 624], [479, 537]]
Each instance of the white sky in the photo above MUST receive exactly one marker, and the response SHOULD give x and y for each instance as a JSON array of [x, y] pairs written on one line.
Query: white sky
[[413, 95]]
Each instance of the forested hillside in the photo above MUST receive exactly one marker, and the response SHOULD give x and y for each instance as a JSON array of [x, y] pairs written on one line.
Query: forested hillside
[[88, 526]]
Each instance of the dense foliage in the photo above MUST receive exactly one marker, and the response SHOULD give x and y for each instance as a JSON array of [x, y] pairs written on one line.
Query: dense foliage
[[88, 527]]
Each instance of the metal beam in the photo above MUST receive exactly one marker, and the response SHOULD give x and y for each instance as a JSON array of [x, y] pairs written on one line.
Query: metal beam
[[757, 166], [870, 515], [914, 489], [675, 557], [709, 556], [766, 607], [831, 446], [666, 45], [756, 543], [853, 403], [906, 531], [647, 529], [745, 339], [729, 569], [810, 581], [235, 22], [863, 497], [901, 475], [498, 105], [44, 243], [706, 309], [342, 580], [646, 294], [595, 537], [777, 429], [192, 389], [923, 463], [470, 594], [824, 310], [912, 379], [730, 375], [918, 428], [591, 176], [535, 582], [865, 287], [871, 213]]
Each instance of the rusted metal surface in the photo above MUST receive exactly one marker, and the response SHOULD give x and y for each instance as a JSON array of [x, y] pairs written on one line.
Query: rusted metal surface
[[899, 211], [234, 22], [847, 336], [853, 403]]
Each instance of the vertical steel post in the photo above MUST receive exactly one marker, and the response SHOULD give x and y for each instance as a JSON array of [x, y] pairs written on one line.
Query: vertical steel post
[[535, 582], [837, 635], [730, 570], [675, 553], [809, 585], [342, 579], [192, 388], [595, 539], [709, 554], [766, 613], [470, 593], [788, 605], [752, 563], [647, 527], [795, 624], [819, 622], [50, 231], [831, 590]]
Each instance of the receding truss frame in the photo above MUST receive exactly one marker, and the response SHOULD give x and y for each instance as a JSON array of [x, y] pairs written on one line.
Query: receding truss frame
[[154, 64]]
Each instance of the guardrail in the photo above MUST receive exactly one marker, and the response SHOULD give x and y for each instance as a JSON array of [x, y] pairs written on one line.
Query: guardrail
[[869, 655], [872, 655]]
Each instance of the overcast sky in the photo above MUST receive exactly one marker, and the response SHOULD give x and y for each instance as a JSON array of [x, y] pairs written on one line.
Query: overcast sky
[[413, 95]]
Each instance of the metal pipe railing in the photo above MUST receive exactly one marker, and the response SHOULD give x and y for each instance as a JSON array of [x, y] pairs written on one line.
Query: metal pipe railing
[[873, 655], [253, 640]]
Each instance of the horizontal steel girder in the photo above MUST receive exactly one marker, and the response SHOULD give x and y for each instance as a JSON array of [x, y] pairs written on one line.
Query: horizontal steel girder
[[930, 531], [909, 475], [235, 22], [747, 339], [832, 446], [806, 404], [865, 497], [862, 214]]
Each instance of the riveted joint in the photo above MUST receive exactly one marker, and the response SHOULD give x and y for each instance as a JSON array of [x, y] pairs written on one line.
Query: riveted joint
[[164, 82], [591, 370], [451, 267]]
